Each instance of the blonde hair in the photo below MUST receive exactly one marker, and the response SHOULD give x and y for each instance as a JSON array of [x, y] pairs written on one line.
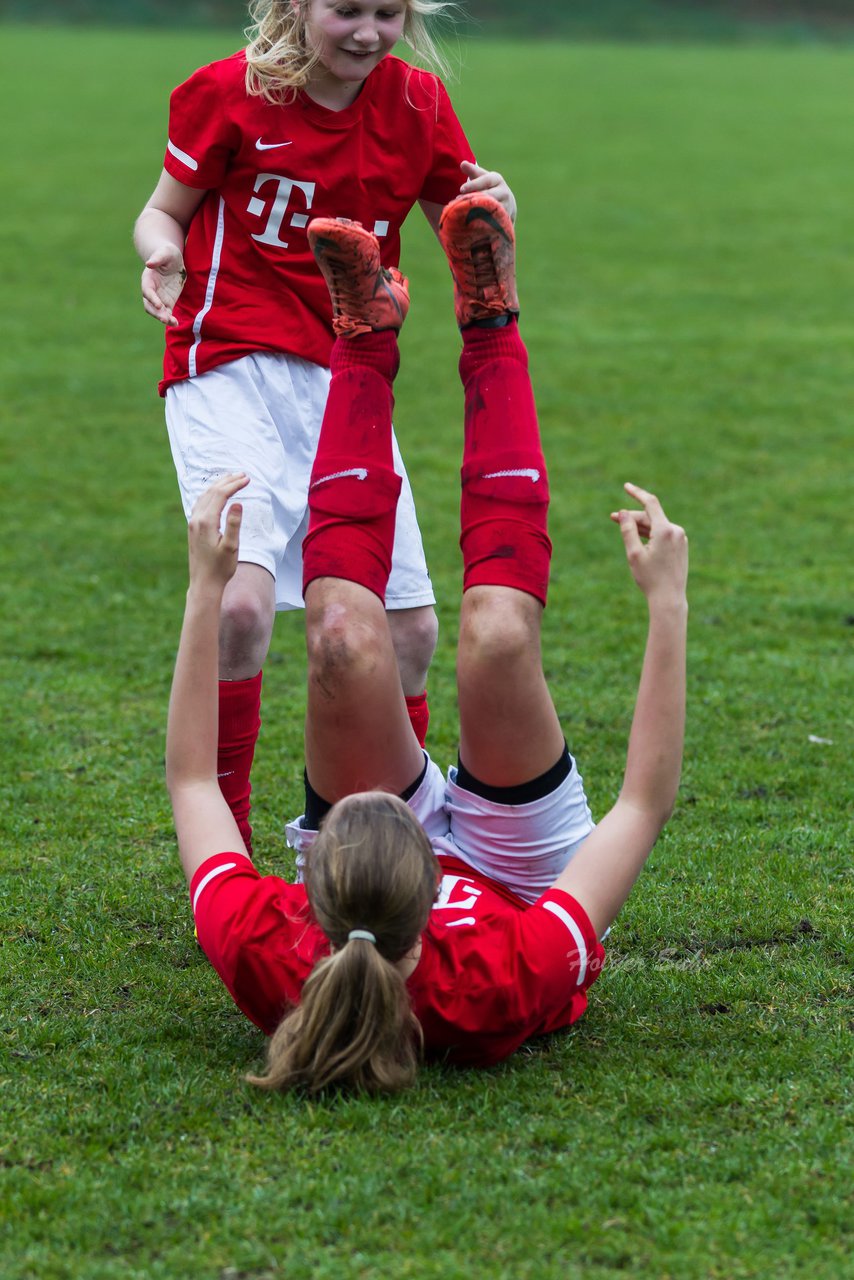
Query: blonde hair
[[279, 64], [371, 868]]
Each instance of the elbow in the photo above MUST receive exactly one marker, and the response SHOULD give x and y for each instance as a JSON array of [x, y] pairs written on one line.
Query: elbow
[[172, 780], [654, 811], [661, 809], [666, 805], [177, 779]]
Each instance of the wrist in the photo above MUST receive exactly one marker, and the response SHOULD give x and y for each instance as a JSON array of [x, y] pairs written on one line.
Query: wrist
[[204, 593], [668, 604]]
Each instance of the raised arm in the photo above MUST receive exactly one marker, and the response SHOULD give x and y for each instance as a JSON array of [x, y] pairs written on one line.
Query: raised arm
[[203, 820], [159, 237], [602, 873]]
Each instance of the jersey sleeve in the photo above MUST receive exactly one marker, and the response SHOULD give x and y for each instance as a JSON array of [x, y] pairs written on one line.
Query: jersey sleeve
[[560, 958], [483, 988], [237, 911], [450, 148], [223, 893], [201, 138]]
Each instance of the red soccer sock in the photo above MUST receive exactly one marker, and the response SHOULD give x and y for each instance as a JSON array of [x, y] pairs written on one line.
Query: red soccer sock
[[419, 715], [377, 351], [505, 489], [239, 725], [353, 492]]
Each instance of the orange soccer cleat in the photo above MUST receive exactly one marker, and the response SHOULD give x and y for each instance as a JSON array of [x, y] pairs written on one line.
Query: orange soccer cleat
[[366, 296], [477, 235]]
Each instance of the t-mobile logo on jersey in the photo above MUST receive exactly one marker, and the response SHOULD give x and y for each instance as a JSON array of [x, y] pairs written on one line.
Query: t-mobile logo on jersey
[[276, 203]]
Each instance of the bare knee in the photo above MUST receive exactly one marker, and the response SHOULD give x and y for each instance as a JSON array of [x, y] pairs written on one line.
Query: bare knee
[[246, 625], [499, 631], [344, 647], [414, 633]]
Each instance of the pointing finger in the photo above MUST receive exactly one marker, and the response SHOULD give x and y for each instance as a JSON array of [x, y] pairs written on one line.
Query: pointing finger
[[642, 495], [648, 500]]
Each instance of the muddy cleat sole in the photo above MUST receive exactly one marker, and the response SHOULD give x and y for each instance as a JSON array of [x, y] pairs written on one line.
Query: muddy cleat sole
[[366, 296], [477, 236]]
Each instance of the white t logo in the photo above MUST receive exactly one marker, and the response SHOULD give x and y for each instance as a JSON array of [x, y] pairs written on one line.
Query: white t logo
[[281, 200]]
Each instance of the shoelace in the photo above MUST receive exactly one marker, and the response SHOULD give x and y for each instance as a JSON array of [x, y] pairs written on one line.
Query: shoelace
[[345, 293], [483, 266], [347, 296]]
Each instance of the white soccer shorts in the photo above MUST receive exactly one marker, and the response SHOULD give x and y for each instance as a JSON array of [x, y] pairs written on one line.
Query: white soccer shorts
[[262, 414], [522, 846]]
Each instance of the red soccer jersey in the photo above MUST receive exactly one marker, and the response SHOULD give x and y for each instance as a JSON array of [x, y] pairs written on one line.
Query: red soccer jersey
[[493, 971], [252, 282]]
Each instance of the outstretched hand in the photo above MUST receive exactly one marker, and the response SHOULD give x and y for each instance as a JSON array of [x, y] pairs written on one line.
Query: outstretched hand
[[162, 281], [479, 179], [656, 549], [213, 553]]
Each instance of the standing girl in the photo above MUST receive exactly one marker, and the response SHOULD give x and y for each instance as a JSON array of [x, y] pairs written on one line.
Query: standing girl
[[313, 118]]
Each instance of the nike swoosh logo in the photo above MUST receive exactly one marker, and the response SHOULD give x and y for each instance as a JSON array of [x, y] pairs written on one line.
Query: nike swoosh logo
[[361, 473], [357, 472], [530, 472], [483, 215], [270, 146]]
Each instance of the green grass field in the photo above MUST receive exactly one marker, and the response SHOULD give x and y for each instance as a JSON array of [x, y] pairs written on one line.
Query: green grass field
[[687, 280]]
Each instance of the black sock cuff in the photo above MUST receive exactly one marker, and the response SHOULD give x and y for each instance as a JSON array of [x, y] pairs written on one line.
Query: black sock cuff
[[524, 792]]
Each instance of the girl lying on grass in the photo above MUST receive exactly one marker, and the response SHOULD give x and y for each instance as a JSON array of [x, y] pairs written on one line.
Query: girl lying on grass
[[315, 117], [456, 916]]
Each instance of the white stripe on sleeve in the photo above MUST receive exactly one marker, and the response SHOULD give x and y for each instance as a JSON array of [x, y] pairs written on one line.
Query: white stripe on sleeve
[[205, 880], [577, 936], [181, 155]]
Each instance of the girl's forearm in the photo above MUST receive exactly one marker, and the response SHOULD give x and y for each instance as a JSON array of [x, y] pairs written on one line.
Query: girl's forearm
[[191, 732], [654, 758], [154, 228]]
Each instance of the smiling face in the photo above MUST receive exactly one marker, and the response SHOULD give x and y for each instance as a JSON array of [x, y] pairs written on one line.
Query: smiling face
[[350, 37]]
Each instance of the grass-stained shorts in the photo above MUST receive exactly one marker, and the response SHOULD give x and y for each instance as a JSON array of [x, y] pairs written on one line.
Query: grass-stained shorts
[[262, 414]]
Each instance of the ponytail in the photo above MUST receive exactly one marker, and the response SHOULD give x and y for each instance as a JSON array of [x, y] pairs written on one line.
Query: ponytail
[[370, 870], [370, 1044]]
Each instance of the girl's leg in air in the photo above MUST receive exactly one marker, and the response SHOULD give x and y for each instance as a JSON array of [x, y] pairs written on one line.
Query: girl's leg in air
[[358, 732], [509, 730]]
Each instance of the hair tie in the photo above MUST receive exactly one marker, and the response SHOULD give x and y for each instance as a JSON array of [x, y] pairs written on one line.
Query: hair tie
[[364, 934]]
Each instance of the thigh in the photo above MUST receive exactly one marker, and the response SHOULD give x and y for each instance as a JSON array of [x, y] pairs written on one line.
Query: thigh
[[509, 729]]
